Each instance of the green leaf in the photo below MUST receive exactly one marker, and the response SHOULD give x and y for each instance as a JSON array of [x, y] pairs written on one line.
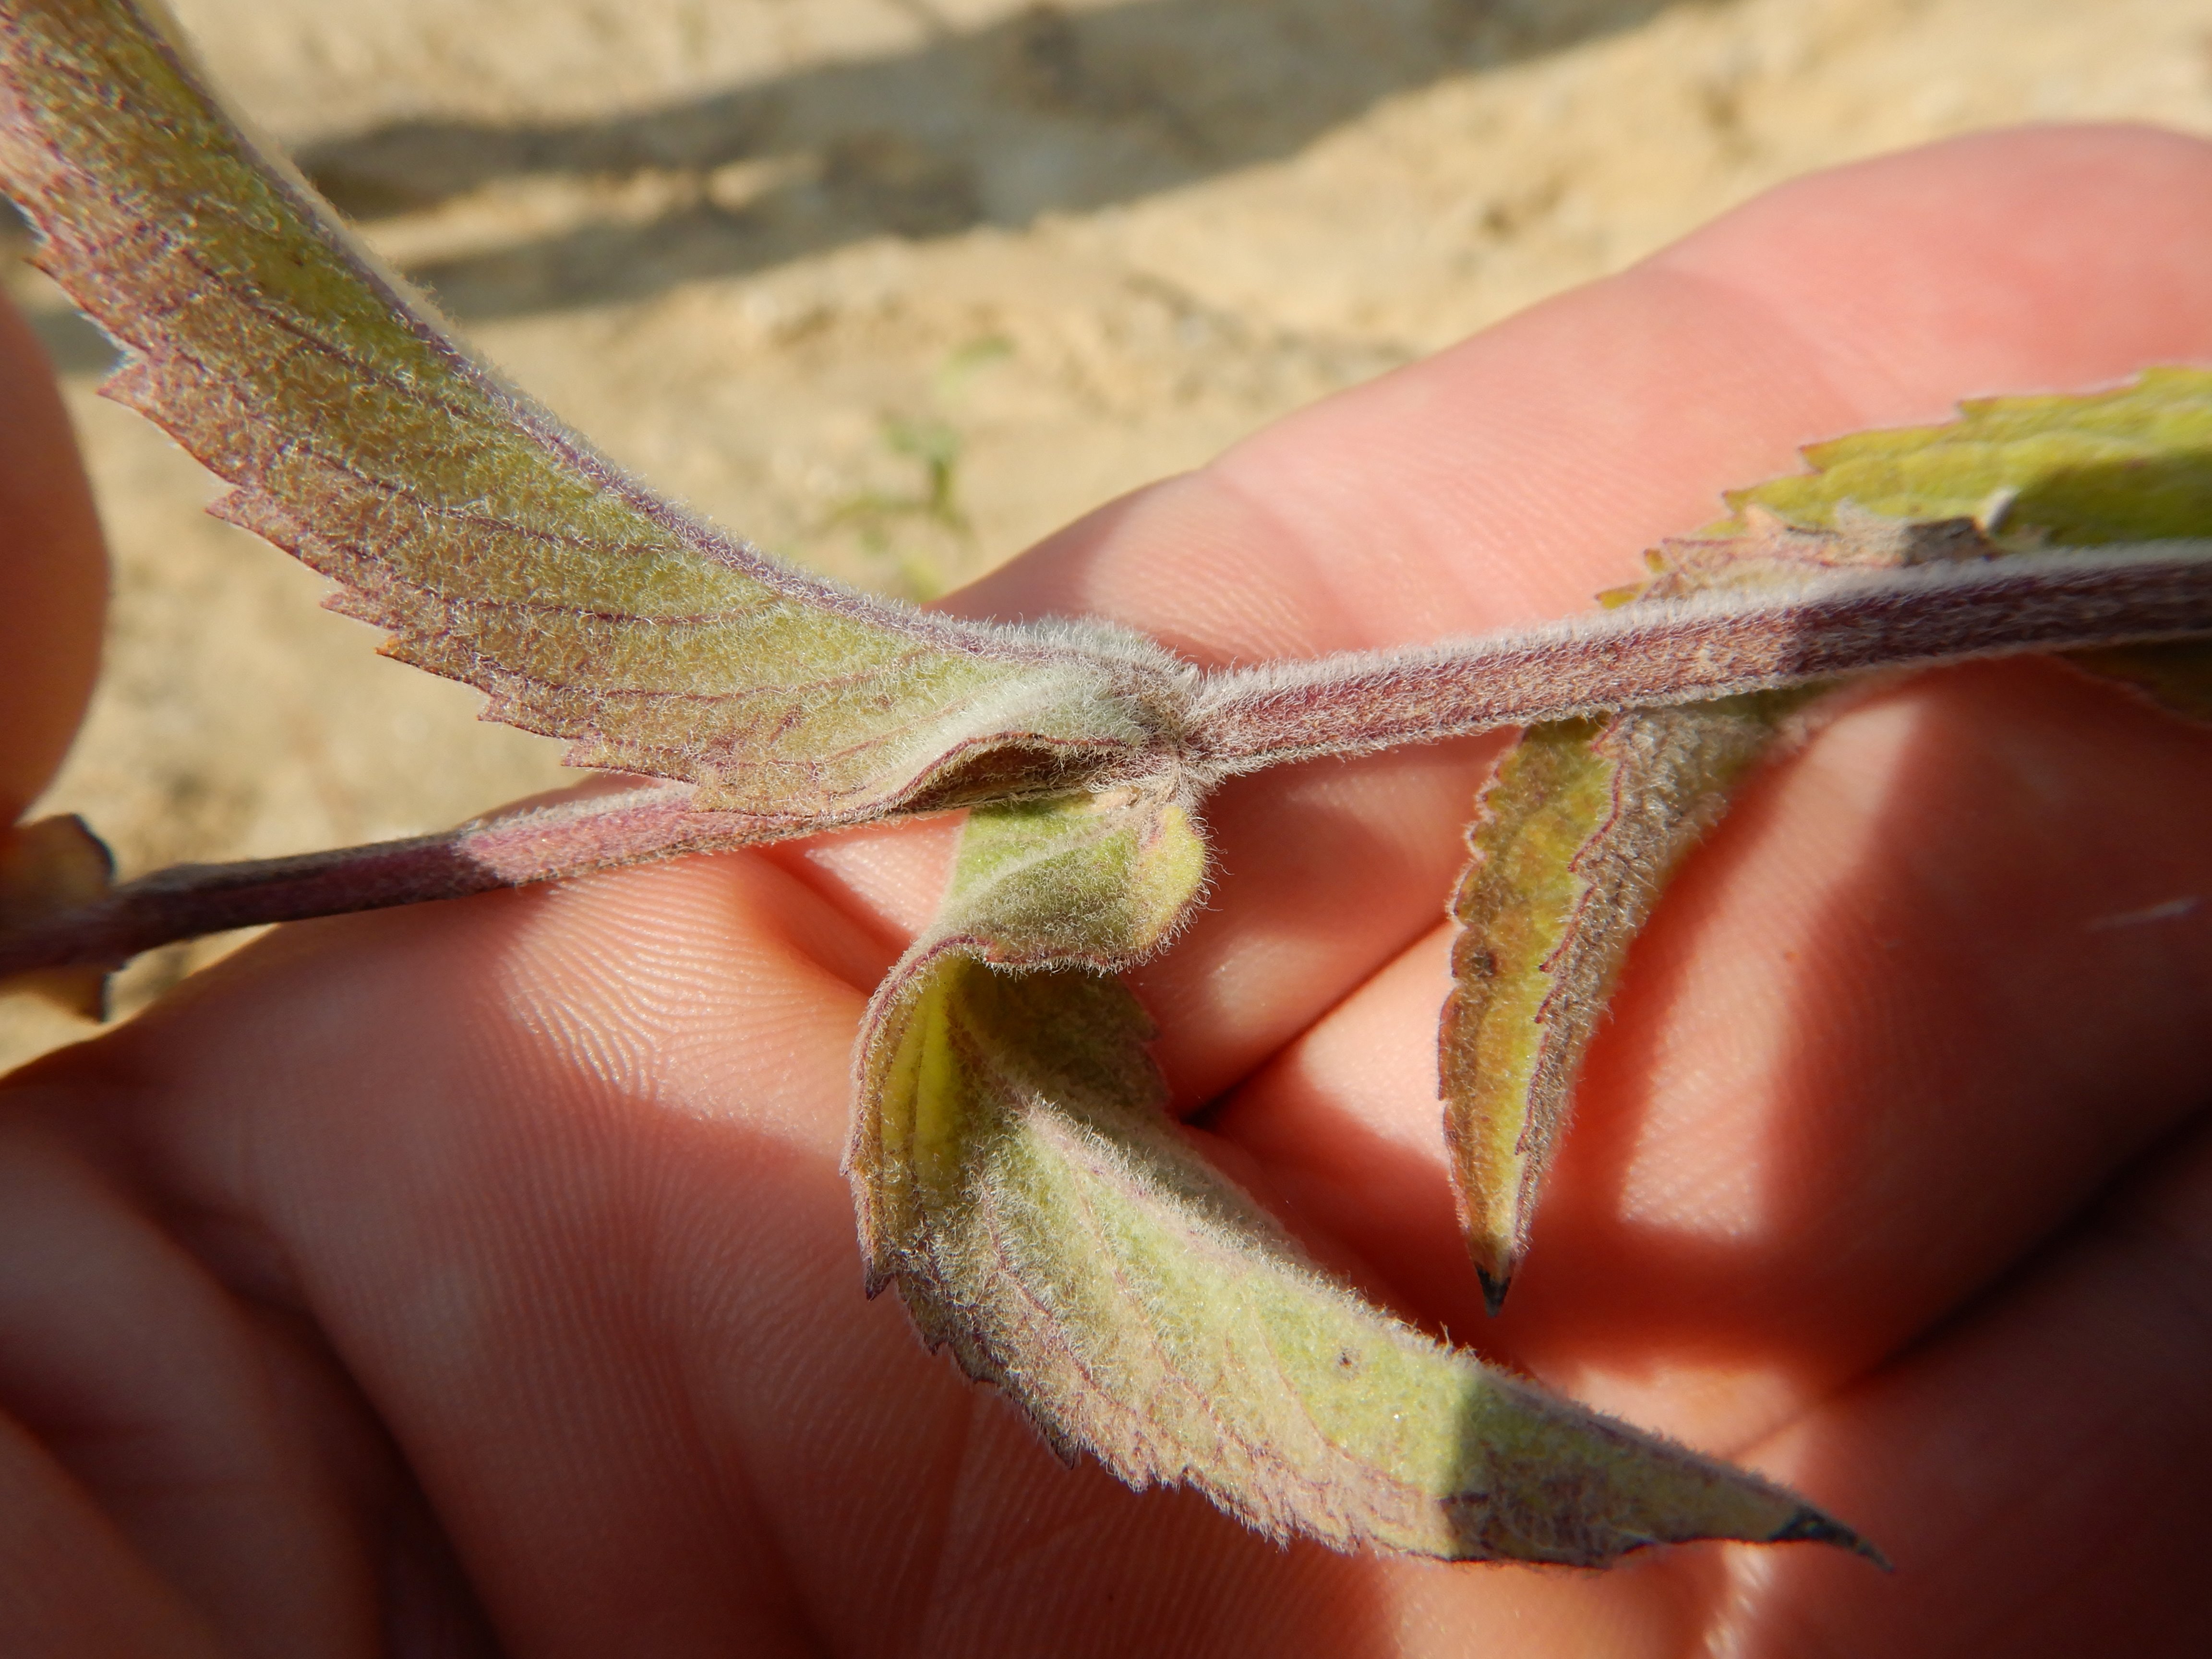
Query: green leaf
[[1583, 823], [491, 545], [1090, 880], [2134, 464], [1101, 879], [1044, 1219], [1576, 833]]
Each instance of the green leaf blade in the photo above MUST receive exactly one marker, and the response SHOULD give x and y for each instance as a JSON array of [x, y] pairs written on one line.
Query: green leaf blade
[[1583, 823], [1101, 879], [2131, 464], [490, 544], [1017, 1175], [1577, 835], [1062, 1237]]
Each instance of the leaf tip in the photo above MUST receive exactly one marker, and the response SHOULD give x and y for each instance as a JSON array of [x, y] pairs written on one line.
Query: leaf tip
[[1495, 1283], [1811, 1526]]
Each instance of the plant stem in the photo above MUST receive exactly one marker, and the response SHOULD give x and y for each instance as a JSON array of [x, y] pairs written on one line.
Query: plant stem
[[1660, 653], [1714, 646], [509, 849]]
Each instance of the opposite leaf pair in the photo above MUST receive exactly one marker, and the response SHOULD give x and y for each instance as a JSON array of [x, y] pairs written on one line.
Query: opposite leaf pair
[[1013, 1169]]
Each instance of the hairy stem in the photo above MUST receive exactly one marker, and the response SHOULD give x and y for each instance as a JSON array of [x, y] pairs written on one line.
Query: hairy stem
[[1713, 646], [509, 849], [1654, 654]]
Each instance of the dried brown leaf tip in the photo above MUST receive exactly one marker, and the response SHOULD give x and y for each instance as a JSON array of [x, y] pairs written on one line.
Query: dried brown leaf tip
[[53, 868], [1769, 548]]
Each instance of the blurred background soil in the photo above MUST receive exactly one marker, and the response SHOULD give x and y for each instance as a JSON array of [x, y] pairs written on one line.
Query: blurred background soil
[[894, 287]]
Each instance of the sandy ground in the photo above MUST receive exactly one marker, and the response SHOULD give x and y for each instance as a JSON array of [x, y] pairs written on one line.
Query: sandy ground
[[895, 286]]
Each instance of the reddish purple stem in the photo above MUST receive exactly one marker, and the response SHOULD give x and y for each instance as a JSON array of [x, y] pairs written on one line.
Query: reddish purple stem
[[1652, 653], [509, 849], [1840, 623]]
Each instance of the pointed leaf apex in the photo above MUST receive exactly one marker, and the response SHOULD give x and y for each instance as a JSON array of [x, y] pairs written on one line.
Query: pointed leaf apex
[[1810, 1526], [1495, 1284]]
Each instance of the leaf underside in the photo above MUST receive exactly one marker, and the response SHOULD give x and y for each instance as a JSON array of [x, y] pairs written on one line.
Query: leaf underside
[[1017, 1178], [492, 546], [1583, 823], [1073, 1248], [1576, 833]]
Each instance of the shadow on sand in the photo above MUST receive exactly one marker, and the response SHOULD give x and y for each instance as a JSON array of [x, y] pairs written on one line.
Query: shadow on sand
[[1045, 112]]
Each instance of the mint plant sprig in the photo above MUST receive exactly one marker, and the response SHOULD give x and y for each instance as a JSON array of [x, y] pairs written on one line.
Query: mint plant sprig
[[1013, 1173]]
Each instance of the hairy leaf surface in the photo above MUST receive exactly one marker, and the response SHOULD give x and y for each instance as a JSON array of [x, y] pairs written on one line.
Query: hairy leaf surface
[[2130, 464], [1101, 879], [493, 546], [1583, 823], [1016, 1176], [1576, 835]]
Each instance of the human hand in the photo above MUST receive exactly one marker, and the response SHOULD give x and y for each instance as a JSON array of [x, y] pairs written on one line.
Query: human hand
[[485, 1267]]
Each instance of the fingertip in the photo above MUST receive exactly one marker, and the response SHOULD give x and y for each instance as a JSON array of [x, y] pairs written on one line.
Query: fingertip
[[53, 571]]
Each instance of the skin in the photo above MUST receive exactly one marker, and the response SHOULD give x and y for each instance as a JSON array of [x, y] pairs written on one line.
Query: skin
[[52, 571], [486, 1266]]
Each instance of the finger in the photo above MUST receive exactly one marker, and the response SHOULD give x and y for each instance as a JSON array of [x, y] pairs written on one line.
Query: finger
[[2061, 1422], [556, 1174], [204, 1438], [1506, 479], [1908, 1009], [53, 575], [560, 1184], [1500, 481], [70, 1583]]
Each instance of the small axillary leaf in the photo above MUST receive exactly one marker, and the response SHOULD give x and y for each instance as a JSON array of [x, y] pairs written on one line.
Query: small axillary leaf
[[1582, 824]]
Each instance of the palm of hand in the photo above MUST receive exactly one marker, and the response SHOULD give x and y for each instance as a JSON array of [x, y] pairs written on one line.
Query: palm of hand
[[487, 1266]]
